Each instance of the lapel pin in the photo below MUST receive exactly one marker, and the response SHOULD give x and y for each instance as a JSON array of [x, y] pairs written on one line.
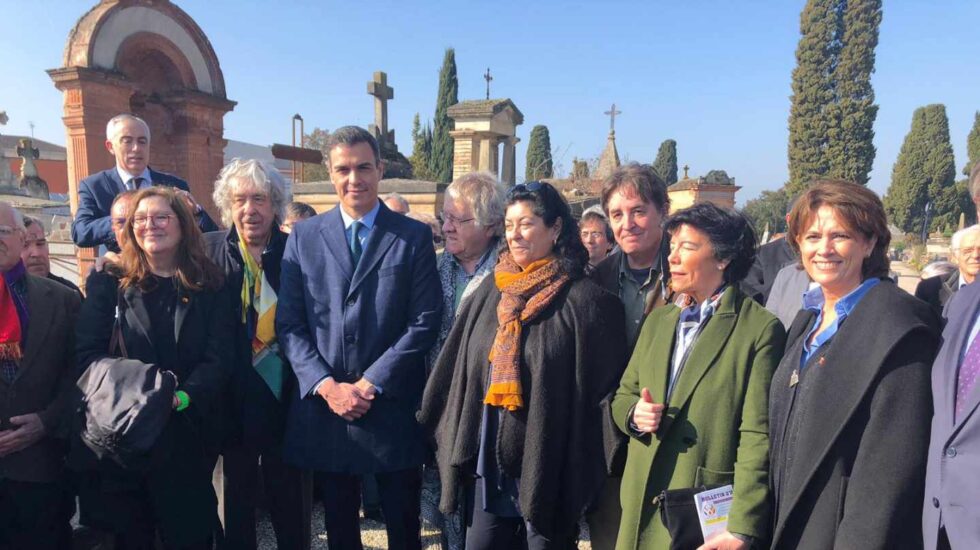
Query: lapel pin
[[185, 299], [821, 361], [794, 378]]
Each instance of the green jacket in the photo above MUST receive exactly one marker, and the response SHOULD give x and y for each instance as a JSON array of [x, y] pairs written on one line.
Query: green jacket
[[715, 429]]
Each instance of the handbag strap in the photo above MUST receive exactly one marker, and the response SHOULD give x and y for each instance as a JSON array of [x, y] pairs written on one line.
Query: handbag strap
[[117, 340]]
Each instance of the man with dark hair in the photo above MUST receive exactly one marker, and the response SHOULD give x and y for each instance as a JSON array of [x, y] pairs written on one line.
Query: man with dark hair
[[128, 140], [37, 373], [37, 256], [636, 203], [359, 308], [296, 212], [770, 258]]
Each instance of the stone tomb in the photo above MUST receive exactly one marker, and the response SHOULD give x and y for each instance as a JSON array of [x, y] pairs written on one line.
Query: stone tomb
[[481, 126]]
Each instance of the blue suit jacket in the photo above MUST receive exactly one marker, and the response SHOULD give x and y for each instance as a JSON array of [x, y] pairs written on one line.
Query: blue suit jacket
[[377, 321], [952, 483], [92, 226]]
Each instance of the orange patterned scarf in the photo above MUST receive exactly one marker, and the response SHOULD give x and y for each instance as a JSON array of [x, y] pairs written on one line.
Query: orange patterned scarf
[[523, 295]]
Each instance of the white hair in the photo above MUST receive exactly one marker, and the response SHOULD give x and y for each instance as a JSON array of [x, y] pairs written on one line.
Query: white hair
[[484, 195], [112, 127], [18, 217], [396, 197], [254, 173], [958, 236]]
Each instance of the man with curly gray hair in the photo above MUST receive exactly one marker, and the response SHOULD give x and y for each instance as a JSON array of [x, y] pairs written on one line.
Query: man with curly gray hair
[[252, 199]]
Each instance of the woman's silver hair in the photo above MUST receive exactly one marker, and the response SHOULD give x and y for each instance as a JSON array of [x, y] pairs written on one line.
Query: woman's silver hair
[[484, 195], [251, 173]]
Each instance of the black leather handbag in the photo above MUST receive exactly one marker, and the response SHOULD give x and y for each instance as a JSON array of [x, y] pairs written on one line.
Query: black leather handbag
[[680, 516]]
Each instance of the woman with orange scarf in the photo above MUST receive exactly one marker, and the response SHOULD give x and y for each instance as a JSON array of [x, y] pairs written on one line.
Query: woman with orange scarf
[[514, 401]]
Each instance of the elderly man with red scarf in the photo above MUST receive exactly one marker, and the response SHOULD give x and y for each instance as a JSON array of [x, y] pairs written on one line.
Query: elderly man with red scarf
[[37, 352]]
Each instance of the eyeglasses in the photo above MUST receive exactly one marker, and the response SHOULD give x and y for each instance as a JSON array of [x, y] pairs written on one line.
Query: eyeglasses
[[454, 221], [527, 187], [6, 231], [160, 220], [592, 235]]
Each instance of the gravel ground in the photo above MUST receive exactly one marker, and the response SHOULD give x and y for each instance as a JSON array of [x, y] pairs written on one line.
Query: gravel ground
[[372, 534]]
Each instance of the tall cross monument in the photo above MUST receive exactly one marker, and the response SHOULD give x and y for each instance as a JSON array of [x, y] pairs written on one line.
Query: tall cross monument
[[382, 92], [612, 112]]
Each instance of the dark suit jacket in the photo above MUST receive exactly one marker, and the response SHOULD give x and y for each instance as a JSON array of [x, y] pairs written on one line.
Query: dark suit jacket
[[253, 409], [377, 321], [769, 259], [936, 291], [44, 380], [92, 226], [858, 472], [952, 480]]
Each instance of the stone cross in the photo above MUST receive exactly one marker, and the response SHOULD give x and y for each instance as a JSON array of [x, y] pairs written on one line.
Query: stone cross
[[378, 87], [612, 112], [488, 78], [685, 171]]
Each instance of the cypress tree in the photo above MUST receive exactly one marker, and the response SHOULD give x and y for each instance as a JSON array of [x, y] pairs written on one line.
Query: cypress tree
[[973, 145], [539, 164], [441, 166], [924, 172], [666, 163], [421, 150], [816, 58], [850, 151]]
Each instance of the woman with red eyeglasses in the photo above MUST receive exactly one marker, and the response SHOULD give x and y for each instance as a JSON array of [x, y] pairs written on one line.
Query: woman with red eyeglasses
[[172, 312]]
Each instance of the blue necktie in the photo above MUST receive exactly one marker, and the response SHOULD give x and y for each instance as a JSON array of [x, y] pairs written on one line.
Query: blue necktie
[[355, 242]]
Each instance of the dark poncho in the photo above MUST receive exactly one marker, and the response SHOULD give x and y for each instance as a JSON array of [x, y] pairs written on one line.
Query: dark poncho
[[573, 354]]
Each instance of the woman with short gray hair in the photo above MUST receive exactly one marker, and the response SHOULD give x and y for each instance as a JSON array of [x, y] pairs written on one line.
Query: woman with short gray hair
[[472, 224]]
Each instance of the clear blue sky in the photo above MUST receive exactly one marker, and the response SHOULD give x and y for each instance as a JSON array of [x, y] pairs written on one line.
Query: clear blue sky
[[714, 75]]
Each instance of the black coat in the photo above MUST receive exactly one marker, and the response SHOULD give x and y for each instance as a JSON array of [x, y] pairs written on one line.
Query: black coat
[[573, 354], [181, 462], [769, 259], [858, 475], [936, 291], [252, 407]]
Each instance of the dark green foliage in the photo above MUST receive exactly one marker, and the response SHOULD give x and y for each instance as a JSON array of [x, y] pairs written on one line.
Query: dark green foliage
[[441, 165], [813, 90], [973, 145], [317, 139], [666, 163], [770, 208], [539, 163], [850, 151], [923, 173], [832, 112], [421, 150]]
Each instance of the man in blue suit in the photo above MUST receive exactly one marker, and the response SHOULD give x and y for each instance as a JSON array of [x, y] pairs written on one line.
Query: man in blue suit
[[951, 512], [359, 308], [128, 139]]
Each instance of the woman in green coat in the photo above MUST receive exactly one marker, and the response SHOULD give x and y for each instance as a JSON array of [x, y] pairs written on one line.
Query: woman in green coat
[[694, 399]]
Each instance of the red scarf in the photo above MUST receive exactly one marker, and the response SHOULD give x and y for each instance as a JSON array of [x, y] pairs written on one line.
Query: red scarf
[[10, 334]]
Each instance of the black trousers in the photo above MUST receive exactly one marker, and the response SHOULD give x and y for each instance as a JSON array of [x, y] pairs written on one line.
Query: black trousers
[[35, 515], [239, 493], [486, 531], [399, 491]]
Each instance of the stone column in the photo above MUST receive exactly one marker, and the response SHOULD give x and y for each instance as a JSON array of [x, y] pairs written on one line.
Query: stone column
[[509, 168], [486, 154], [466, 151]]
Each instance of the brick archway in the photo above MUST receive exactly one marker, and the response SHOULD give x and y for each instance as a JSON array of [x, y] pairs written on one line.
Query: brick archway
[[147, 57]]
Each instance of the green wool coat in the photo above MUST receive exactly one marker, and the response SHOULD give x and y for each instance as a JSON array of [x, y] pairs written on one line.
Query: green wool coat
[[715, 429]]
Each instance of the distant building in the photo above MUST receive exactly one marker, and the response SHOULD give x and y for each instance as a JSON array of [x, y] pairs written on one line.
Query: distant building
[[716, 187]]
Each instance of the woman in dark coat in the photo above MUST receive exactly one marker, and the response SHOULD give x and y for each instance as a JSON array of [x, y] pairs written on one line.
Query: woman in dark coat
[[171, 314], [513, 401], [850, 404]]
